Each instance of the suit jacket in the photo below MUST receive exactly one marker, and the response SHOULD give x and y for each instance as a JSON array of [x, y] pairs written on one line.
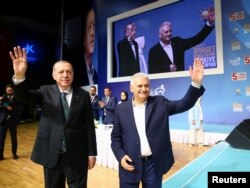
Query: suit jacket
[[125, 138], [128, 64], [110, 109], [14, 113], [79, 129], [158, 60], [95, 107], [2, 114]]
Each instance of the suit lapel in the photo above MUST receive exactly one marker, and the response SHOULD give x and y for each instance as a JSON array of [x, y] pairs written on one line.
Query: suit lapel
[[166, 56], [130, 115], [149, 108], [131, 118], [57, 102], [74, 103]]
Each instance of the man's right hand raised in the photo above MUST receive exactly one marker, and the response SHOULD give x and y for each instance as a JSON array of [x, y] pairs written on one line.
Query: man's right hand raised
[[19, 59]]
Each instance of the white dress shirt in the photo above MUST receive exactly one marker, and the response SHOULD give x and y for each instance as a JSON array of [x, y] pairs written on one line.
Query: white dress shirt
[[139, 114], [168, 49]]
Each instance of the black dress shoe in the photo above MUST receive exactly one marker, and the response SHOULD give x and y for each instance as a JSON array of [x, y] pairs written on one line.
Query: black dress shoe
[[1, 158], [15, 157]]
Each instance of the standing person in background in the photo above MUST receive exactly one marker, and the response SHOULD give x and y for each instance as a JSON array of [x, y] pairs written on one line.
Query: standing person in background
[[124, 97], [140, 138], [168, 54], [94, 102], [195, 119], [128, 52], [10, 112], [66, 142], [108, 104]]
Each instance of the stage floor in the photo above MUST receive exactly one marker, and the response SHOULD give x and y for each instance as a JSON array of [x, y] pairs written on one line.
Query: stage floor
[[220, 158]]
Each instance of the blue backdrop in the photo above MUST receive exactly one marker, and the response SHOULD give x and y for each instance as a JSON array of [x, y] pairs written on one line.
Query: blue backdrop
[[226, 100]]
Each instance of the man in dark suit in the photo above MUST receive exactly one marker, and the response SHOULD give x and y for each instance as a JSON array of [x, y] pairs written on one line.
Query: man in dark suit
[[66, 143], [128, 52], [2, 111], [94, 102], [140, 138], [168, 54], [107, 105], [9, 117]]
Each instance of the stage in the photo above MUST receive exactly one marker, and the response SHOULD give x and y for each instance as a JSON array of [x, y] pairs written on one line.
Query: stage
[[220, 158], [178, 133]]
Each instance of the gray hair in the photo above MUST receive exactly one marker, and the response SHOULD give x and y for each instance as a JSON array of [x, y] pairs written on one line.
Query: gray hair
[[137, 75], [163, 24], [61, 61]]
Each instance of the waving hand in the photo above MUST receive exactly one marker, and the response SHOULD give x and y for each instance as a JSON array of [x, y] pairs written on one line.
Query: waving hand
[[19, 59]]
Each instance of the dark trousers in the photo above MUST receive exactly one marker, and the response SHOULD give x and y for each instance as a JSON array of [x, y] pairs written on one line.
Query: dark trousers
[[149, 179], [57, 177], [12, 126]]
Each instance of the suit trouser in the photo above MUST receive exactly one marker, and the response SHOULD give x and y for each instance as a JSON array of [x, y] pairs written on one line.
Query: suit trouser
[[56, 177], [149, 179], [12, 126]]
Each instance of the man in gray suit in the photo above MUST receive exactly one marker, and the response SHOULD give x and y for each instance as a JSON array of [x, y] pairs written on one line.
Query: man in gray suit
[[66, 142]]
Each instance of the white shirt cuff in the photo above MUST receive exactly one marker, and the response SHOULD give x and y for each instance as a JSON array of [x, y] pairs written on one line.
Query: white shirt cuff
[[16, 81], [195, 84]]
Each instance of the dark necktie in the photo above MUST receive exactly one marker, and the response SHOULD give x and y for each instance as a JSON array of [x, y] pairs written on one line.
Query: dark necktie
[[133, 47], [91, 71], [66, 113], [65, 105]]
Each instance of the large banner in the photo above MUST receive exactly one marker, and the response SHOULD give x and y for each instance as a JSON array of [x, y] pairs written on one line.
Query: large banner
[[79, 41], [146, 27]]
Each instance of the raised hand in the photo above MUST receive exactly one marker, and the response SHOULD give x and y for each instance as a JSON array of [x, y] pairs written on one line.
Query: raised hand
[[19, 59], [197, 71], [211, 16]]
